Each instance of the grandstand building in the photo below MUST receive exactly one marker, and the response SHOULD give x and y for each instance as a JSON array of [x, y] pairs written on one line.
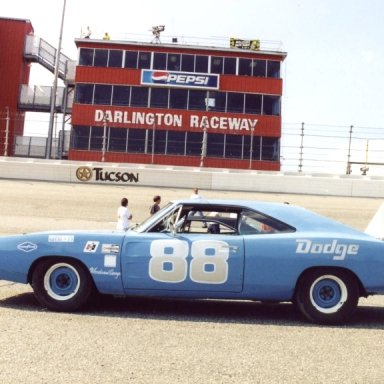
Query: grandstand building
[[171, 103]]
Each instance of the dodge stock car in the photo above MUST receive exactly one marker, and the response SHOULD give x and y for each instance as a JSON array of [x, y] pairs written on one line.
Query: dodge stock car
[[206, 249]]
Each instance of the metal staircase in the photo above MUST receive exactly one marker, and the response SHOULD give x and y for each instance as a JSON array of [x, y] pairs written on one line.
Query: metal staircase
[[38, 98]]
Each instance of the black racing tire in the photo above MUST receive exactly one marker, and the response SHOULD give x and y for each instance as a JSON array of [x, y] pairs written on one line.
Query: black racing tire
[[327, 296], [62, 285]]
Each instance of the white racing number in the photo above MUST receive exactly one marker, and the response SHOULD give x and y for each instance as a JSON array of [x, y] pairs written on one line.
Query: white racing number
[[168, 263]]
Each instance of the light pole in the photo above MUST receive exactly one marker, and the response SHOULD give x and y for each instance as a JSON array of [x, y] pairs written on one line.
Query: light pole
[[6, 132], [105, 119], [54, 89], [251, 150]]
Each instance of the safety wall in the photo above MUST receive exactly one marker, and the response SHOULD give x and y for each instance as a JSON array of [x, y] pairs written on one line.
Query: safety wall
[[189, 177]]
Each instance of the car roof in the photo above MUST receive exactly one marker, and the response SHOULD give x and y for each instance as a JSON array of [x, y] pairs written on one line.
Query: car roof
[[298, 217]]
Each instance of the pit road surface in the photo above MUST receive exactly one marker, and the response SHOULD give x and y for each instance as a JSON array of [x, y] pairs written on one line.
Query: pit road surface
[[173, 341]]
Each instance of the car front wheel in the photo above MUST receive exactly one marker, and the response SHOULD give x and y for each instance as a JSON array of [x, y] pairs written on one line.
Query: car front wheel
[[61, 285], [327, 297]]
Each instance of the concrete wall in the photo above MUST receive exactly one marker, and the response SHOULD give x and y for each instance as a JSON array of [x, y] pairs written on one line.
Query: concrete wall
[[187, 177]]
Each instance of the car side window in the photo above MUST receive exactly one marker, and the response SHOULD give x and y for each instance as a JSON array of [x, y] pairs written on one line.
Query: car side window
[[254, 223]]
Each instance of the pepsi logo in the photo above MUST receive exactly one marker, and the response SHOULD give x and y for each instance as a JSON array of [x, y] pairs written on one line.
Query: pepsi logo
[[160, 76]]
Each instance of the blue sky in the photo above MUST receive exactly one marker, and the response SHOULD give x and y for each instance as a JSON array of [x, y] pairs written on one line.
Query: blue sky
[[333, 74]]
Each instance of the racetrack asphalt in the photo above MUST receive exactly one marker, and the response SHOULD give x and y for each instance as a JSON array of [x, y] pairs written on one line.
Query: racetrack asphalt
[[136, 340]]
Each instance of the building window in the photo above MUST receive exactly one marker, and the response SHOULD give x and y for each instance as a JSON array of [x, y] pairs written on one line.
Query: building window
[[159, 97], [253, 103], [245, 67], [136, 140], [80, 137], [160, 142], [159, 60], [173, 62], [215, 145], [235, 102], [197, 100], [178, 98], [273, 69], [254, 143], [217, 64], [130, 59], [234, 146], [271, 105], [259, 68], [121, 95], [219, 101], [144, 60], [194, 143], [103, 94], [118, 140], [96, 138], [201, 64], [115, 59], [187, 63], [176, 143], [84, 93], [270, 149], [139, 97], [101, 58], [86, 57], [229, 66]]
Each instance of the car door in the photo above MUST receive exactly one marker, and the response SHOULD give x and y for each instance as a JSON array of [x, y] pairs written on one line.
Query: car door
[[174, 262]]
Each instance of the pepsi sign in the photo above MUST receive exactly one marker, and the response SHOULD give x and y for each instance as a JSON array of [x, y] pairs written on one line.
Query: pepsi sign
[[179, 79]]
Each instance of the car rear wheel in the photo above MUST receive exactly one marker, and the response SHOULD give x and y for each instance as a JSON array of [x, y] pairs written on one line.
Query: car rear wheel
[[327, 297], [61, 285]]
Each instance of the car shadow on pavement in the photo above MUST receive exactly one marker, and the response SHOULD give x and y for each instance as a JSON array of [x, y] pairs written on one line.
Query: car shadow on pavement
[[217, 311]]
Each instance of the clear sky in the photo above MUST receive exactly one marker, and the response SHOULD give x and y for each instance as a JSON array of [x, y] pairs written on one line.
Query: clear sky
[[333, 74]]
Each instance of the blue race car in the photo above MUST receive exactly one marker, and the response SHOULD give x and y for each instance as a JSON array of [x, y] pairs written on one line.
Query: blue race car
[[217, 249]]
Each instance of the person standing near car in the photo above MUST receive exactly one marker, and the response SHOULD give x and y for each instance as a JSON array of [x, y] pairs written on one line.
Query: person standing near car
[[123, 215], [155, 207]]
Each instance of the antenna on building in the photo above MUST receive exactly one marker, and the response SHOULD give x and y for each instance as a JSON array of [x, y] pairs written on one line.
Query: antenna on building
[[156, 33]]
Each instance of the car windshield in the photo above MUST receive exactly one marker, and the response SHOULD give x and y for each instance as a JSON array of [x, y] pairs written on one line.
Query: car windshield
[[151, 220]]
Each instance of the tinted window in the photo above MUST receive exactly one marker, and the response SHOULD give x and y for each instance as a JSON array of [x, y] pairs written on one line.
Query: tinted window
[[159, 97], [273, 69], [201, 64], [80, 137], [103, 94], [84, 93], [173, 62], [176, 143], [136, 140], [229, 66], [178, 98], [259, 68], [115, 59], [270, 149], [217, 64], [194, 143], [118, 140], [215, 145], [187, 63], [235, 102], [101, 58], [130, 59], [253, 103], [234, 146], [245, 67], [86, 56], [139, 97], [121, 95], [144, 60], [197, 100], [96, 142], [159, 60], [271, 105]]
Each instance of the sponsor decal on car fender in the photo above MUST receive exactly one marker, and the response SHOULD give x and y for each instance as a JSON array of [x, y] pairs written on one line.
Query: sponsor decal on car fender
[[339, 250]]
